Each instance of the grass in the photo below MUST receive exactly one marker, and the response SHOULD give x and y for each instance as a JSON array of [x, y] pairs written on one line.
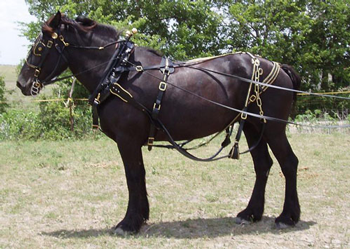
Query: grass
[[14, 98], [8, 72], [68, 194]]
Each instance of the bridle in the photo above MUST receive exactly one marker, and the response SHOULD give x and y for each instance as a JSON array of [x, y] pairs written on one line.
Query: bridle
[[41, 49]]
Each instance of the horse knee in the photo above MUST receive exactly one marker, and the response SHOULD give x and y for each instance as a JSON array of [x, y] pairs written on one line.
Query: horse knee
[[290, 165]]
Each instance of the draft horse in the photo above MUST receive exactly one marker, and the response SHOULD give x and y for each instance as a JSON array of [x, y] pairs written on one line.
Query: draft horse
[[85, 47]]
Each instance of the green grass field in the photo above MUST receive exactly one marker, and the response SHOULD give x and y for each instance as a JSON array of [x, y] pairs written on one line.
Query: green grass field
[[69, 194], [13, 95], [8, 72]]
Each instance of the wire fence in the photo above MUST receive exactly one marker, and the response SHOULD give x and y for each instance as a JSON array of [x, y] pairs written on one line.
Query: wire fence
[[305, 101], [85, 99]]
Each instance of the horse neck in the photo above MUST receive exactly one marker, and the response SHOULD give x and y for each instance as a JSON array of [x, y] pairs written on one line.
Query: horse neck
[[88, 65]]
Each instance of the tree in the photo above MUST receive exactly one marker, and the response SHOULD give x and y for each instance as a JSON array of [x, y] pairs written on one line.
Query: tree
[[328, 43], [313, 36], [174, 27]]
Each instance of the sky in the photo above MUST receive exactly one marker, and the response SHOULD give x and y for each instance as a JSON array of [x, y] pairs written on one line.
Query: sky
[[13, 48]]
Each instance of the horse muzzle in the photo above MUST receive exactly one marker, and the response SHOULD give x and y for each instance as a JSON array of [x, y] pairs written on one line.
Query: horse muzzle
[[36, 87], [32, 89]]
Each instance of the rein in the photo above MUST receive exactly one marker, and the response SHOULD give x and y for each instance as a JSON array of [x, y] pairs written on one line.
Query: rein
[[118, 65], [245, 80], [139, 68], [89, 69]]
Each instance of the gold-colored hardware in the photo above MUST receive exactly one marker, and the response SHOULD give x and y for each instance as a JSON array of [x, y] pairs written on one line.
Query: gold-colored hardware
[[156, 106], [97, 99], [66, 44], [139, 68], [30, 65], [54, 35], [37, 84], [117, 91], [252, 98], [37, 72], [244, 115], [162, 86], [49, 44], [38, 47], [150, 141]]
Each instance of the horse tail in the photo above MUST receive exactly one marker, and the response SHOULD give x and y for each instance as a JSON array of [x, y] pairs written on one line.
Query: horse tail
[[294, 76]]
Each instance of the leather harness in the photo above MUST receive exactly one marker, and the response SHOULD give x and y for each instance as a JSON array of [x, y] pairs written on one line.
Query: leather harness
[[119, 64]]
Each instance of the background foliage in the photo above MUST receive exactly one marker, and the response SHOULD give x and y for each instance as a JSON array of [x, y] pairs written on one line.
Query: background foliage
[[312, 36], [3, 103]]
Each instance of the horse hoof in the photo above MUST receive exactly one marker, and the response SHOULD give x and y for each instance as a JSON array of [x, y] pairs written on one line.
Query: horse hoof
[[280, 225], [240, 221], [120, 232]]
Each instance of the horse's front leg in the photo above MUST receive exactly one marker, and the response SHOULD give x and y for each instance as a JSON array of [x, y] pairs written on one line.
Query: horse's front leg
[[138, 207]]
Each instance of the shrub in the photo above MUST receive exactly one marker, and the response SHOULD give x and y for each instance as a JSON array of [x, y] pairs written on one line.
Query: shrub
[[52, 123], [16, 124], [3, 103]]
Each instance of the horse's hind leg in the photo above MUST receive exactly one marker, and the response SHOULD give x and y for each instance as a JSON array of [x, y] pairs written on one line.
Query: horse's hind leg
[[262, 164], [138, 207], [289, 164]]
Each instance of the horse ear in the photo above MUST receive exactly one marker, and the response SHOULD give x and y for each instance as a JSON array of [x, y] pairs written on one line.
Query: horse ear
[[56, 20]]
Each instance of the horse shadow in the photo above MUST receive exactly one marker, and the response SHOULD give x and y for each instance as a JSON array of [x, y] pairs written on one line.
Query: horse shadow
[[191, 229]]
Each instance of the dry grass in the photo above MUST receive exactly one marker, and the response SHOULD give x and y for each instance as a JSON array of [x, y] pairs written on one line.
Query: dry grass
[[69, 194]]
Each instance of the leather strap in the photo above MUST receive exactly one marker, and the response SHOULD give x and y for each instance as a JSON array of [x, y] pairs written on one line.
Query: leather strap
[[166, 69], [110, 76]]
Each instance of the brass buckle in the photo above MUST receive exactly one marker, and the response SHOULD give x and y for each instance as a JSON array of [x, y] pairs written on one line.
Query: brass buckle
[[156, 106], [49, 44], [139, 68], [162, 86], [150, 141], [36, 73]]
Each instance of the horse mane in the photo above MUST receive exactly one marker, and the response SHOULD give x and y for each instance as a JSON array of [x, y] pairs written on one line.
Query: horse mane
[[83, 24], [153, 51]]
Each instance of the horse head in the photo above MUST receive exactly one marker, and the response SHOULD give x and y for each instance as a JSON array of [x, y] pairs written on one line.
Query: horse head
[[45, 59], [49, 55]]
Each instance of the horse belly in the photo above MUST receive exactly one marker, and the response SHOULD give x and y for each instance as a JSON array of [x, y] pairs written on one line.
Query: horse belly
[[191, 118]]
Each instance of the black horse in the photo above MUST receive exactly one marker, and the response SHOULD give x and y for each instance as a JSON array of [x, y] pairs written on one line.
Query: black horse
[[185, 111]]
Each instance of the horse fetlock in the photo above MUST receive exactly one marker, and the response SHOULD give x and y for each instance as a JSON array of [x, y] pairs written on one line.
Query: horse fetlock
[[129, 225], [283, 222], [248, 216], [120, 232], [241, 221], [123, 229]]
